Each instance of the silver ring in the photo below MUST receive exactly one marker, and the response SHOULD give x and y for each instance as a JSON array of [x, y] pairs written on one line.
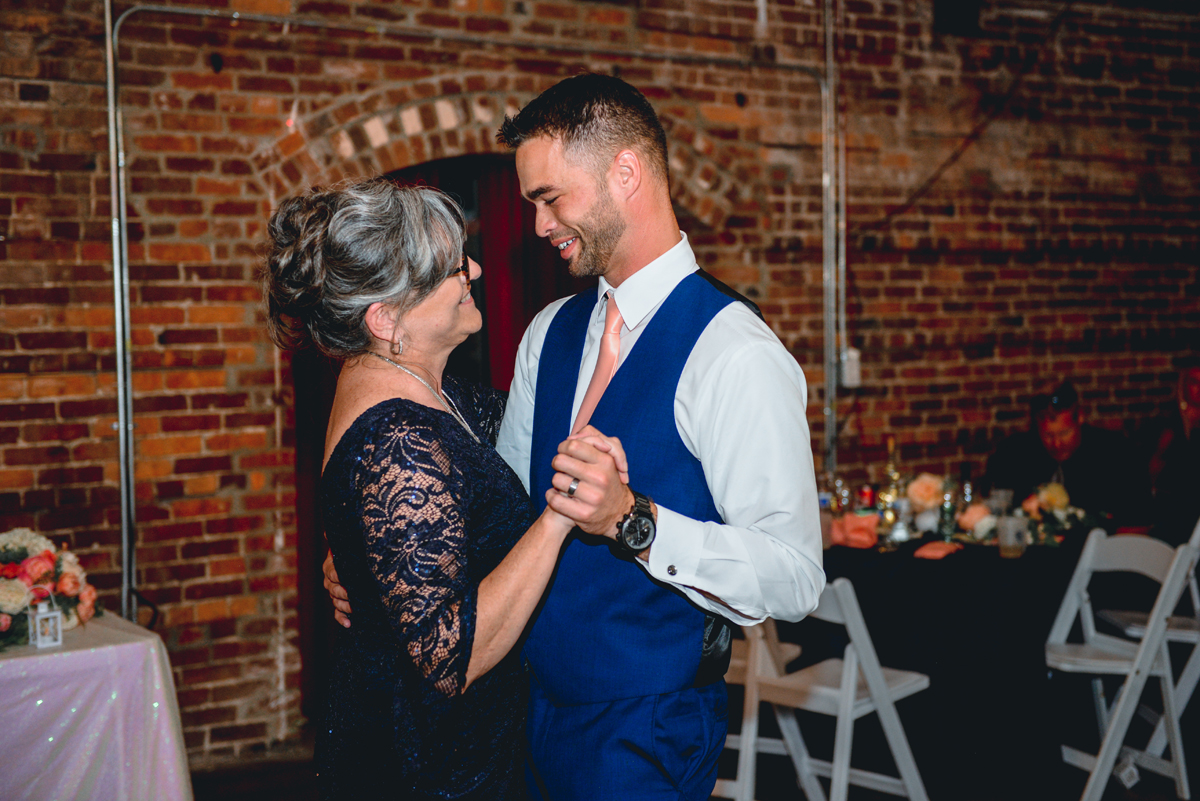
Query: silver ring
[[571, 489]]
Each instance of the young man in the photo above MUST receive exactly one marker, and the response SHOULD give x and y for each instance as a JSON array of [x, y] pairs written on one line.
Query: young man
[[719, 517], [717, 520]]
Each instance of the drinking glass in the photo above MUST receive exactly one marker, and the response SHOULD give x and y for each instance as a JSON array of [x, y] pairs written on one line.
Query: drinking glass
[[1010, 531]]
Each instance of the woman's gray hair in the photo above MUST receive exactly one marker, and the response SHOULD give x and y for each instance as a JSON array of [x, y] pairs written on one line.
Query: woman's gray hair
[[332, 253]]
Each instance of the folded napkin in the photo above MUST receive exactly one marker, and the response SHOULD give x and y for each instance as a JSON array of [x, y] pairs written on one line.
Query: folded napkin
[[855, 531], [937, 550]]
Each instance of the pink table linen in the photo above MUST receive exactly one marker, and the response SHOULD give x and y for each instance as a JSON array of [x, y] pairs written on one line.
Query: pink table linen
[[95, 718]]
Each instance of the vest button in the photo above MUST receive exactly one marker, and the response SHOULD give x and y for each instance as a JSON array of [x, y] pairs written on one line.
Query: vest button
[[671, 570]]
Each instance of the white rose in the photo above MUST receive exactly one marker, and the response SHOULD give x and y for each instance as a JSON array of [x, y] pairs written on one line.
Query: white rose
[[14, 596], [985, 526]]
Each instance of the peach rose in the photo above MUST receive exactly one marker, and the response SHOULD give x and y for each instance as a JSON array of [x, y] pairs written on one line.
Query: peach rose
[[69, 585], [5, 622], [969, 518], [87, 603], [1031, 507], [1053, 497], [35, 567], [925, 492]]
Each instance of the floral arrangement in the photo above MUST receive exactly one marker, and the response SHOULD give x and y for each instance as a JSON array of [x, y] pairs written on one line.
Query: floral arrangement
[[1051, 515], [32, 570], [978, 521]]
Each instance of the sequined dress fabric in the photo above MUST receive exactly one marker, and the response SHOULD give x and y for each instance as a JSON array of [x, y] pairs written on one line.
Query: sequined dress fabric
[[417, 514]]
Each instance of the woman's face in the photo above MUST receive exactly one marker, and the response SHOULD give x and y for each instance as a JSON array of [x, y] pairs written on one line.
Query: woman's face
[[445, 318]]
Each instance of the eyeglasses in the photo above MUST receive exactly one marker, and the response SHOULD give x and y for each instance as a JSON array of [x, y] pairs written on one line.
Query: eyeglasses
[[463, 271]]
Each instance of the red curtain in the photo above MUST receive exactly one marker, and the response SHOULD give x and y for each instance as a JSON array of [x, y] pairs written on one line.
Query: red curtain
[[522, 273], [502, 229]]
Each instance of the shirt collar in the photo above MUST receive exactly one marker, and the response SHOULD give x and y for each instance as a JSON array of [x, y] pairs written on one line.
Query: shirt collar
[[642, 292]]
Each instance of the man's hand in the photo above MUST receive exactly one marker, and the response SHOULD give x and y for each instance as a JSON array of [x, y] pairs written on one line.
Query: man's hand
[[337, 593], [610, 445], [601, 497]]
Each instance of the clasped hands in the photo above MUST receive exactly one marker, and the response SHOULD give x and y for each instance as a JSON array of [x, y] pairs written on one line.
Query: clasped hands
[[601, 498], [597, 466]]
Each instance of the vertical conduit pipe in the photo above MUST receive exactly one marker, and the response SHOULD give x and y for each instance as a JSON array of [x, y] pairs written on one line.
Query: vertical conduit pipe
[[842, 224], [831, 261], [116, 150], [120, 246]]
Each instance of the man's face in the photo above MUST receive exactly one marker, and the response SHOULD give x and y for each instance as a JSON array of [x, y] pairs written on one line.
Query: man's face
[[575, 209], [1060, 432]]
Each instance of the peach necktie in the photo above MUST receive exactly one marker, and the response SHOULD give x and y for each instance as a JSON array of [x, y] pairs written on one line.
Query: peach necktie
[[606, 363]]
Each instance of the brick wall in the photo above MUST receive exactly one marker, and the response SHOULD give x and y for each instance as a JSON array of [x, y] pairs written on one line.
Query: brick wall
[[1058, 237]]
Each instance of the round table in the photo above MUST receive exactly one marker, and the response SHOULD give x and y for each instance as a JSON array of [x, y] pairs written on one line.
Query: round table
[[976, 624]]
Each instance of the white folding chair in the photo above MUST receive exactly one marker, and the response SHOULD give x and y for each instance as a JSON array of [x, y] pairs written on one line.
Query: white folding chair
[[1100, 654], [1180, 629], [846, 689]]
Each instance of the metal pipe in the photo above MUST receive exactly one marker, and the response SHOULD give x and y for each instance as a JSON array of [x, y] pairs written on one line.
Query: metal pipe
[[441, 36], [116, 176], [830, 243], [840, 179], [117, 182]]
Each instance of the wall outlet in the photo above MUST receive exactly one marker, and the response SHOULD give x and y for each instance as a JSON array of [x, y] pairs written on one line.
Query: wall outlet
[[851, 368]]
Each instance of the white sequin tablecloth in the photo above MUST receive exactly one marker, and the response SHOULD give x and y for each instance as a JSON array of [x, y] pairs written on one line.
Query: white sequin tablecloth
[[95, 718]]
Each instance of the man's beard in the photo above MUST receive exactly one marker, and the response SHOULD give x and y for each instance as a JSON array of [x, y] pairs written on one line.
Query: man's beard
[[604, 229]]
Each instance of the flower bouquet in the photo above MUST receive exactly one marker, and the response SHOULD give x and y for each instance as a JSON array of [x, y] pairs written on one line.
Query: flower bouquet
[[1051, 515], [32, 570], [978, 522]]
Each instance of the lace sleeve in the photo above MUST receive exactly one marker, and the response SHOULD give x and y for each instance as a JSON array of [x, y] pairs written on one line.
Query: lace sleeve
[[417, 550]]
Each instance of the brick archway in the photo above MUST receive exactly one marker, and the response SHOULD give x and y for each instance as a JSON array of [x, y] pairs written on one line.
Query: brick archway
[[400, 125]]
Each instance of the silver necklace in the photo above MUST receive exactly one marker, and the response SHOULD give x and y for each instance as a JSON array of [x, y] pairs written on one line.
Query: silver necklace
[[451, 409]]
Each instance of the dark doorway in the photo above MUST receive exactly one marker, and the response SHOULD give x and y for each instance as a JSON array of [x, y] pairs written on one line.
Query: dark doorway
[[521, 275]]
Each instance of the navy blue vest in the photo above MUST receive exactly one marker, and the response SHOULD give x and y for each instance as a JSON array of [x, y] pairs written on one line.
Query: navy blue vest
[[607, 630]]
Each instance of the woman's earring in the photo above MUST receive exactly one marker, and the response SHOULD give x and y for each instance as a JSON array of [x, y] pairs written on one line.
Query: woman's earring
[[397, 347]]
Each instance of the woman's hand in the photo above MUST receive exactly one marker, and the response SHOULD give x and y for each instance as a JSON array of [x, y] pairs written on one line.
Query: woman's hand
[[595, 465]]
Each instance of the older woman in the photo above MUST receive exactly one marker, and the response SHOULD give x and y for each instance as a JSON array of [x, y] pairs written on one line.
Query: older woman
[[431, 533]]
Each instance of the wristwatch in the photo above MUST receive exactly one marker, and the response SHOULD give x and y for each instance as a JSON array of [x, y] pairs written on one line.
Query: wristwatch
[[636, 530]]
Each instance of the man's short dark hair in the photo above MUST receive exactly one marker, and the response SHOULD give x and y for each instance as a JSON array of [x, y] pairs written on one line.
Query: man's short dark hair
[[595, 117], [1062, 398]]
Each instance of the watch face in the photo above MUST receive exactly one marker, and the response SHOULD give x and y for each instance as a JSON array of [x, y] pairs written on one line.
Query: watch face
[[638, 533]]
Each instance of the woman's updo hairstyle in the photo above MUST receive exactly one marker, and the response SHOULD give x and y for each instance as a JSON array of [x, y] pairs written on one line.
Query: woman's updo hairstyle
[[332, 253]]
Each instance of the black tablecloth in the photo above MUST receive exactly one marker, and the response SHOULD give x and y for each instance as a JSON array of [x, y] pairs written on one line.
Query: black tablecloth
[[991, 723]]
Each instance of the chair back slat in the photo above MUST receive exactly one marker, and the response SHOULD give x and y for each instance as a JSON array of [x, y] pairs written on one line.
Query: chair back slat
[[828, 608], [1134, 553]]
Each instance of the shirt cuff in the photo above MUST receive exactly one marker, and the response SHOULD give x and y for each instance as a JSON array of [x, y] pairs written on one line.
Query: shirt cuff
[[674, 556]]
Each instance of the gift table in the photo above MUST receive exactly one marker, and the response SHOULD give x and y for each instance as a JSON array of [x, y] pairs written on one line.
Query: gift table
[[94, 718]]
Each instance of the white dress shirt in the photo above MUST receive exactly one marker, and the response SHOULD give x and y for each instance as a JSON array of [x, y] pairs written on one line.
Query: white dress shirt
[[739, 409]]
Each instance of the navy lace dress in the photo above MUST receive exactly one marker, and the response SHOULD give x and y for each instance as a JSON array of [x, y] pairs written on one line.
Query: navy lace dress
[[417, 514]]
